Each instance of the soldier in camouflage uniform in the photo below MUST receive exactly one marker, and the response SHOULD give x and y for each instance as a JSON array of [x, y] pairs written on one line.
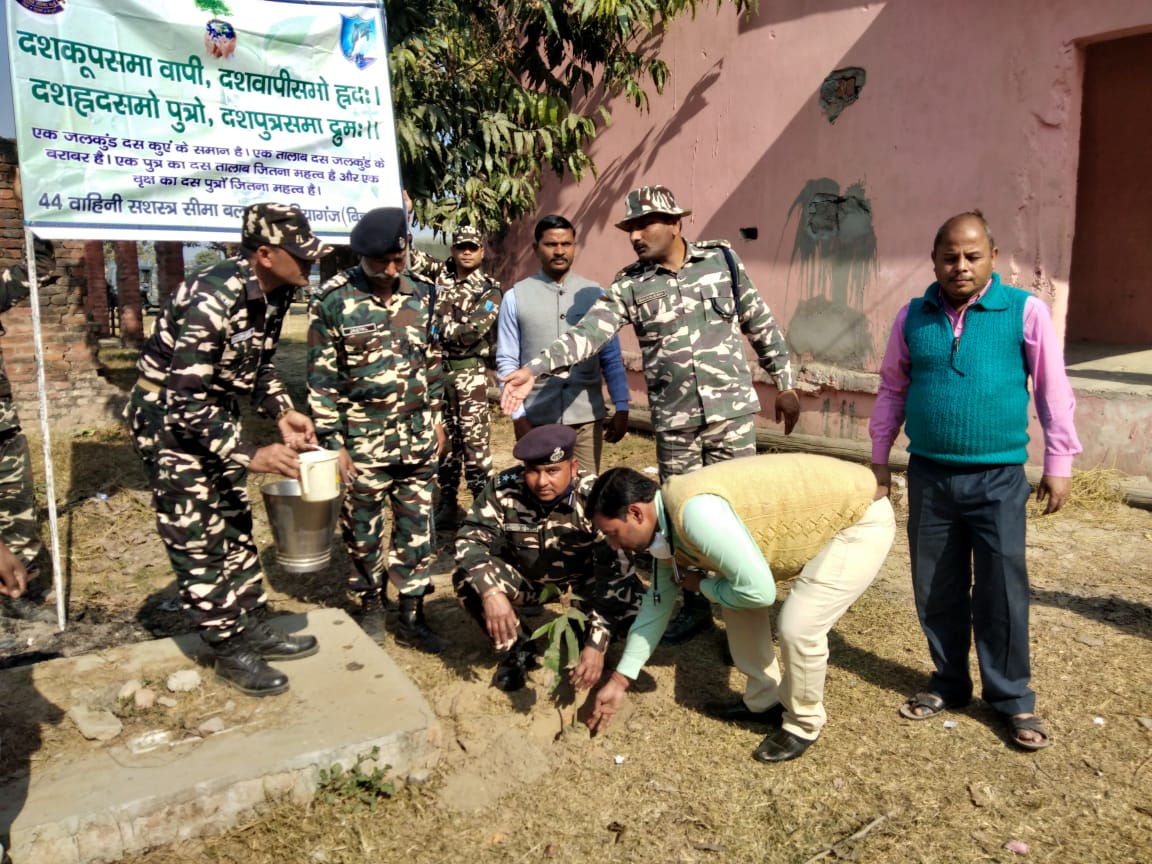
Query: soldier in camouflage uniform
[[212, 345], [375, 387], [688, 303], [529, 529], [468, 301], [18, 526]]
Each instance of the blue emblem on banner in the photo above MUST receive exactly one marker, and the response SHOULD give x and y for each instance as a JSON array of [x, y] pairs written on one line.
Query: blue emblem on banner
[[359, 40], [43, 7]]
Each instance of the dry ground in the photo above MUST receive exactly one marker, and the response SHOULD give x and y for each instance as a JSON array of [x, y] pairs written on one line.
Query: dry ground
[[667, 783]]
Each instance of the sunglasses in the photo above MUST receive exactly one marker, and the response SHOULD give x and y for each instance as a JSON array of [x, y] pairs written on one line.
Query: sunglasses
[[466, 246]]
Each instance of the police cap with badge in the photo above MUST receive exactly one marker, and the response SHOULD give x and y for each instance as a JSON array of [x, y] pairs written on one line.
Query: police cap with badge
[[546, 445], [380, 232]]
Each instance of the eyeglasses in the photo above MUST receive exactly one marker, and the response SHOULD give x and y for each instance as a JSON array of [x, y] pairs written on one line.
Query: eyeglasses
[[466, 247]]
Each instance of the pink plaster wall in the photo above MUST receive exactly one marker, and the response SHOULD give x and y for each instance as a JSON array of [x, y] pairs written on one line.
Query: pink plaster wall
[[966, 104]]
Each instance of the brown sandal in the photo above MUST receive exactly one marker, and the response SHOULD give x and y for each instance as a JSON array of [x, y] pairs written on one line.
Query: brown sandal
[[1017, 725], [928, 704]]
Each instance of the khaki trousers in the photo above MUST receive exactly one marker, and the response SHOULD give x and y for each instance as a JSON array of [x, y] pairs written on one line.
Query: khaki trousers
[[589, 445], [827, 586]]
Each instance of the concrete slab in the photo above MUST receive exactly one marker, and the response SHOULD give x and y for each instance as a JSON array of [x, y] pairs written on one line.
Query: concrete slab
[[103, 800]]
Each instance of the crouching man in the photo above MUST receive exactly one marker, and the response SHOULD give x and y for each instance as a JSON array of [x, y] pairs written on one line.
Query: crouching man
[[530, 528], [751, 521]]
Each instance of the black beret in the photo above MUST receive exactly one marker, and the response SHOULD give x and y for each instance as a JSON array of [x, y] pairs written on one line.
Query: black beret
[[546, 445], [380, 232]]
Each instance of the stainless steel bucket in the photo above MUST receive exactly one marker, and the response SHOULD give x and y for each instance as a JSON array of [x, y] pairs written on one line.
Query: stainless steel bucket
[[302, 530]]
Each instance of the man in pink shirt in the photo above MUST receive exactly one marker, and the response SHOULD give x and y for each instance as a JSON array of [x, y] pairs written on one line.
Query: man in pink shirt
[[955, 374]]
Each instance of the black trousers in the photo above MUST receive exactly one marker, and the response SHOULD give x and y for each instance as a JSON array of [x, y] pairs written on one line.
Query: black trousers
[[966, 536]]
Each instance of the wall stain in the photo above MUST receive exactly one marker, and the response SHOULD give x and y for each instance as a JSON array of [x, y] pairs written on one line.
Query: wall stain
[[834, 260]]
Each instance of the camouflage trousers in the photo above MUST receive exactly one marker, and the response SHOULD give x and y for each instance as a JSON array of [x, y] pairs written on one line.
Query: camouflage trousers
[[467, 425], [18, 526], [205, 520], [610, 618], [681, 451], [406, 492]]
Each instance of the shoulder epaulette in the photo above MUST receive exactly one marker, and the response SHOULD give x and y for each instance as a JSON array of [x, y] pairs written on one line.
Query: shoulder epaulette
[[338, 281], [631, 271], [420, 280], [508, 478]]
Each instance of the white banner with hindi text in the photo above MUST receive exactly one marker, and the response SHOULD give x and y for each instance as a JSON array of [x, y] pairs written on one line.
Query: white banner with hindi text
[[163, 119]]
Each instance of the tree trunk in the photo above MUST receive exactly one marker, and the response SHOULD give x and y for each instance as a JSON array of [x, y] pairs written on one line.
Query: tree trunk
[[128, 293], [170, 268], [96, 300]]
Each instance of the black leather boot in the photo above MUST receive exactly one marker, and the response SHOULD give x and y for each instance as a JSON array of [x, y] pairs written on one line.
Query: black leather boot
[[271, 644], [522, 657], [371, 616], [241, 666], [695, 616], [413, 631], [447, 513]]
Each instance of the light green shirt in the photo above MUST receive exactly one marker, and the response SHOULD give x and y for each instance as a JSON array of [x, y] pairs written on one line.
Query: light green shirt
[[742, 578]]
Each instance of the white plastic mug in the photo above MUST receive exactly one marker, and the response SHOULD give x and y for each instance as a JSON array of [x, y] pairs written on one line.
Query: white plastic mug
[[319, 475]]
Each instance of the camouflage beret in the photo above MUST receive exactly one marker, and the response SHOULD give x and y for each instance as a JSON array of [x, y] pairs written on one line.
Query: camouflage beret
[[649, 199], [380, 232], [467, 234], [270, 224], [545, 445]]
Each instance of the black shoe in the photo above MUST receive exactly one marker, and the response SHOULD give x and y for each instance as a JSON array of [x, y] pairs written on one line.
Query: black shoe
[[271, 644], [510, 674], [780, 745], [448, 512], [694, 617], [371, 616], [241, 667], [521, 658], [413, 631], [735, 711]]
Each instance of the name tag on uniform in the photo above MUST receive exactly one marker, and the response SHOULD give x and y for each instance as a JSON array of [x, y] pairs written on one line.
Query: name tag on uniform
[[655, 295], [243, 336], [359, 330], [517, 528]]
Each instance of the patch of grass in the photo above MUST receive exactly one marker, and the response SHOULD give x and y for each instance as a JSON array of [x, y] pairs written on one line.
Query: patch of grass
[[356, 787]]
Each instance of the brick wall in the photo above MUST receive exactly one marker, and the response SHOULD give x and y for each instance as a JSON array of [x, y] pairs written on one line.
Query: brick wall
[[77, 395]]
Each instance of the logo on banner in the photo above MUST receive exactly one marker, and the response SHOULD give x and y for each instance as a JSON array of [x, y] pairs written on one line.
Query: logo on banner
[[359, 40], [43, 7]]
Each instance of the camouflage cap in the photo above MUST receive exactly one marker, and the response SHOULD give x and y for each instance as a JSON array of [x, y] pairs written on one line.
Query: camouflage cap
[[270, 224], [649, 199], [546, 445], [467, 234], [380, 232]]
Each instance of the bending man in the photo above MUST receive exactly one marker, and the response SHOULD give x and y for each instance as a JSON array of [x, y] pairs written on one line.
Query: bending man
[[751, 521]]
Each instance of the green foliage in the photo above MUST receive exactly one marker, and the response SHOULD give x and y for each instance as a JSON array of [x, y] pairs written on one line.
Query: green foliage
[[203, 259], [563, 646], [213, 7], [491, 95], [354, 787]]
